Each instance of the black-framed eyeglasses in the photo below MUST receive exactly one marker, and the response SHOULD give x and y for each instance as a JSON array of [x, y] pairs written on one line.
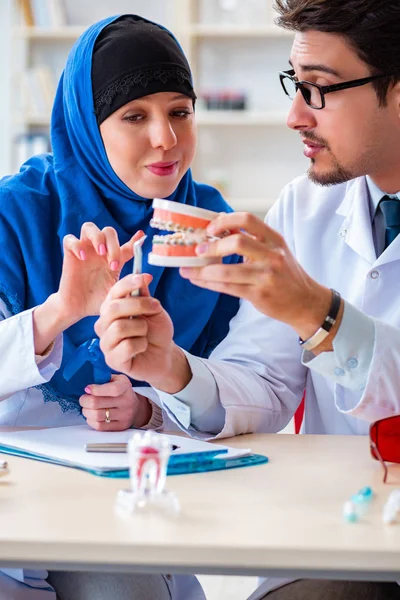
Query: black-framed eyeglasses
[[314, 94]]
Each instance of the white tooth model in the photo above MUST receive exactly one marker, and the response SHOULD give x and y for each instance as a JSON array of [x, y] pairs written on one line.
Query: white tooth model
[[149, 454]]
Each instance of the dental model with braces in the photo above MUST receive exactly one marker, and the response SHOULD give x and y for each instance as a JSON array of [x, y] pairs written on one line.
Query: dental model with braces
[[188, 226]]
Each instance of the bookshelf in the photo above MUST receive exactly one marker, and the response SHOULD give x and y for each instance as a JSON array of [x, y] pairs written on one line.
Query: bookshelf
[[249, 154]]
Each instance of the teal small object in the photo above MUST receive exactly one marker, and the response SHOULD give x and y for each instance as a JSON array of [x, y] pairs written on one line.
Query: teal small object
[[361, 501], [352, 517], [350, 512], [366, 492], [363, 496]]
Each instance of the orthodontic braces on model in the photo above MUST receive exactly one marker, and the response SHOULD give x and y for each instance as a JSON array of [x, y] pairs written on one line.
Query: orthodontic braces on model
[[188, 226]]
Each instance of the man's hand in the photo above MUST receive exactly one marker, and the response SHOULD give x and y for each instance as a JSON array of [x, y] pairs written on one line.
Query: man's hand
[[270, 277], [136, 337], [125, 407]]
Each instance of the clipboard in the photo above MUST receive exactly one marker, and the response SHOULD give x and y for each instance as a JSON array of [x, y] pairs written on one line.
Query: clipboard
[[65, 446], [182, 466]]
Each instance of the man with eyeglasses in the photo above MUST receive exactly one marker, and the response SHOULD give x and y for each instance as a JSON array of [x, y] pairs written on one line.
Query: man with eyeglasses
[[320, 284]]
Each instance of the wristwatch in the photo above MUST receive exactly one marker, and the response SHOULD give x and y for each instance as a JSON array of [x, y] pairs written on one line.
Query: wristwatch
[[326, 326]]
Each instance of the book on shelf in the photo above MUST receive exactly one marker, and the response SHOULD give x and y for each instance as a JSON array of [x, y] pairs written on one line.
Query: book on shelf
[[27, 14], [44, 13], [38, 91]]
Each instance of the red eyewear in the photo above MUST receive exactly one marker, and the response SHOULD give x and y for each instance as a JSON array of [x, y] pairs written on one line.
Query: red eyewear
[[385, 441]]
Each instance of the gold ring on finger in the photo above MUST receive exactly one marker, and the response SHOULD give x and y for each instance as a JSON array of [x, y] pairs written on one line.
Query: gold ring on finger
[[107, 419]]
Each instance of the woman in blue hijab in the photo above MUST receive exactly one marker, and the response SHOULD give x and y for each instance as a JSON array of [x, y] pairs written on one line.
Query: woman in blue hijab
[[122, 133]]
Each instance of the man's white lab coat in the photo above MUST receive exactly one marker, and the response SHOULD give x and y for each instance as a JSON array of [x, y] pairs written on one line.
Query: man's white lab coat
[[329, 231]]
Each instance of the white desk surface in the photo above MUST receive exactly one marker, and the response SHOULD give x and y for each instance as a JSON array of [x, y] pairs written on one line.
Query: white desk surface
[[282, 518]]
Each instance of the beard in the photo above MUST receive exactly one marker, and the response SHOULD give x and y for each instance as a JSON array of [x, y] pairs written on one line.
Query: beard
[[337, 173]]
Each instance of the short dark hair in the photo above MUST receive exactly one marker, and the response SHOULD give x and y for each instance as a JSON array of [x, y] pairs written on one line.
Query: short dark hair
[[371, 27]]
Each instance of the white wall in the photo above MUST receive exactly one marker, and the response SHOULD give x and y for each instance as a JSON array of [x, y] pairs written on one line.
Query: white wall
[[260, 159], [83, 12]]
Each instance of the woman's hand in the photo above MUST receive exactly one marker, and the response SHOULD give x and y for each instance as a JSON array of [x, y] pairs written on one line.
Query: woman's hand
[[92, 264], [136, 337], [125, 408]]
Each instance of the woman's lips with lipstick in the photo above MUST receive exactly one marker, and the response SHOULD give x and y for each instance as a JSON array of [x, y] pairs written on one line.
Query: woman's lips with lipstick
[[163, 168], [312, 149]]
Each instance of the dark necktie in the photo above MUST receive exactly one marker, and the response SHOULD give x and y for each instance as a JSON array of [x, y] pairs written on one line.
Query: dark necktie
[[390, 208]]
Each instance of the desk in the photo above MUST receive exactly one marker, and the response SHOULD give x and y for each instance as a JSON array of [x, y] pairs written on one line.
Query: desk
[[282, 518]]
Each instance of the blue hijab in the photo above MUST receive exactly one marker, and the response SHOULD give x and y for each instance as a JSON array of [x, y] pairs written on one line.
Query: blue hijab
[[54, 194]]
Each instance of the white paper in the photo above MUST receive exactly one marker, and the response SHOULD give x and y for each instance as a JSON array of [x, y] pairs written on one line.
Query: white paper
[[67, 444]]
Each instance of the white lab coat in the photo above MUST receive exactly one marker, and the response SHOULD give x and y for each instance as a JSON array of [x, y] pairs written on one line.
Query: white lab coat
[[329, 231]]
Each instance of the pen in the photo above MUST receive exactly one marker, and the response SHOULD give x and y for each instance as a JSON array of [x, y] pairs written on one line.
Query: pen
[[112, 447]]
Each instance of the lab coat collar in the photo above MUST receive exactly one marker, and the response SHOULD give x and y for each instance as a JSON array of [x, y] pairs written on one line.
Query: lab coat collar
[[356, 229], [357, 226]]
